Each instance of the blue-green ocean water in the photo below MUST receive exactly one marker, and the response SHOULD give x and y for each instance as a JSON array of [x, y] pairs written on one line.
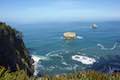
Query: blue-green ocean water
[[46, 40]]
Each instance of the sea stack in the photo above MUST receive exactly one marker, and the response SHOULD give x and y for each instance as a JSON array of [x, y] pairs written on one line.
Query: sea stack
[[93, 26], [69, 35]]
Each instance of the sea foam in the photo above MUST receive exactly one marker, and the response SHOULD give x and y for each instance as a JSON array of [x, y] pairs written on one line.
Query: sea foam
[[84, 59], [79, 37], [64, 63], [103, 48], [36, 59]]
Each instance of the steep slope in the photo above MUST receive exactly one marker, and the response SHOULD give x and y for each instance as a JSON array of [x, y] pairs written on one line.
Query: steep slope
[[13, 53]]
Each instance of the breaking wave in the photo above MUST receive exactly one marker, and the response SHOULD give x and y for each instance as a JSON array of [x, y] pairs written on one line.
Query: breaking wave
[[83, 59], [36, 59]]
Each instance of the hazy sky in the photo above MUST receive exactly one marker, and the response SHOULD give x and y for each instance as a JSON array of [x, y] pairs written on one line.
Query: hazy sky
[[26, 11]]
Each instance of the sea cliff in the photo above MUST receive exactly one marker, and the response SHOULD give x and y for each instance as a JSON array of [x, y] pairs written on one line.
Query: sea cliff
[[13, 53]]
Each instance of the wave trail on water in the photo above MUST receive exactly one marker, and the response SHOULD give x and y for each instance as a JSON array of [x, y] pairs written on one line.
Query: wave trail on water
[[104, 48], [79, 37]]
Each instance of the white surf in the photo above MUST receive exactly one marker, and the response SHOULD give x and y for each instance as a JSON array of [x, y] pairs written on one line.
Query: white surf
[[83, 59]]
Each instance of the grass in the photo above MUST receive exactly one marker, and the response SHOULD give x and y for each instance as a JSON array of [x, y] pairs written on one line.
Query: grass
[[7, 75], [2, 26], [88, 75]]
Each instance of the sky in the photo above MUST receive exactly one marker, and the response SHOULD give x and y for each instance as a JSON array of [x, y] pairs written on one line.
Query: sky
[[31, 11]]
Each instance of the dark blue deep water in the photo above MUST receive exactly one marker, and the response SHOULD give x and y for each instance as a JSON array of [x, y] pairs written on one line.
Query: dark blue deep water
[[45, 40]]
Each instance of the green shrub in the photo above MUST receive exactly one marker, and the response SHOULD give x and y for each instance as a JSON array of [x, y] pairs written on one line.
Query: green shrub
[[7, 75], [88, 75]]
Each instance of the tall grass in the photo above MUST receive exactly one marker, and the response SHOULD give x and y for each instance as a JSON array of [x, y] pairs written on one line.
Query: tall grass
[[88, 75]]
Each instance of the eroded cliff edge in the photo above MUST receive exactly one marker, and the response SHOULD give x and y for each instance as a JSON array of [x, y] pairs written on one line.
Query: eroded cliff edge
[[13, 53]]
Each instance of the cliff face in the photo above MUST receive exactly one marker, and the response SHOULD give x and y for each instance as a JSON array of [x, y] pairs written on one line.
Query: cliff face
[[13, 54]]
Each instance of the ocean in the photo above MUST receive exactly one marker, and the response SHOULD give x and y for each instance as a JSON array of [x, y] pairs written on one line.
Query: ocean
[[94, 49]]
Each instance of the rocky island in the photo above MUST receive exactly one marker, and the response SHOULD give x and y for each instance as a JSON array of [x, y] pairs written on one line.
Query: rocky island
[[69, 35]]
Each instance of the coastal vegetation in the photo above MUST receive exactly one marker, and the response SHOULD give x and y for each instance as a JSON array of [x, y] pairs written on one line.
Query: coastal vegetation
[[17, 75], [88, 75]]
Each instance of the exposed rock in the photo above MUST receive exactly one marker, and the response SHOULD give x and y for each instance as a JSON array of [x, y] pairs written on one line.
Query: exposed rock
[[13, 53], [93, 26], [69, 35]]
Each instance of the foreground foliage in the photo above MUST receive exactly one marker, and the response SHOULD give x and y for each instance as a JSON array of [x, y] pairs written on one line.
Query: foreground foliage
[[7, 75], [89, 75]]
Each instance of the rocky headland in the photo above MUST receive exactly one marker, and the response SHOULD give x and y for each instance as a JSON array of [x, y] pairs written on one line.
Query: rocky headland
[[13, 53]]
